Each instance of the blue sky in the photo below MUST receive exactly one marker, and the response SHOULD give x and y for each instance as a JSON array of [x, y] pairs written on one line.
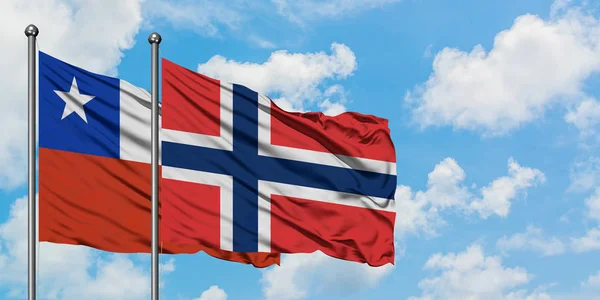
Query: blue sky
[[493, 109]]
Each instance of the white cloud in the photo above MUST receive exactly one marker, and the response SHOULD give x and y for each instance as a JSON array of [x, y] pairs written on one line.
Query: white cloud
[[415, 214], [496, 196], [213, 293], [592, 282], [168, 266], [472, 275], [420, 211], [332, 106], [444, 187], [202, 16], [589, 242], [301, 11], [295, 77], [585, 174], [210, 17], [587, 177], [331, 109], [67, 271], [593, 205], [533, 65], [214, 18], [586, 116], [68, 30], [261, 42], [286, 105], [427, 53], [559, 6], [536, 295], [532, 239], [301, 273], [117, 278]]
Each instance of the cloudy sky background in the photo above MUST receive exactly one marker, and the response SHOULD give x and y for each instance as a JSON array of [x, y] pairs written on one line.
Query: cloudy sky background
[[494, 112]]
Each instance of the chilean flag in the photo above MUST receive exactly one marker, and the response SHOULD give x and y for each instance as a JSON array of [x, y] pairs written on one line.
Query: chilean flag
[[94, 166], [240, 174]]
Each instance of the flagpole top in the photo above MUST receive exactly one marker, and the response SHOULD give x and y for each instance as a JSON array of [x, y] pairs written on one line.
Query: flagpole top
[[31, 30], [154, 38]]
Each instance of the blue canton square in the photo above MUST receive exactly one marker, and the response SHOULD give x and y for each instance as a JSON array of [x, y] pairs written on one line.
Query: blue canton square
[[78, 110]]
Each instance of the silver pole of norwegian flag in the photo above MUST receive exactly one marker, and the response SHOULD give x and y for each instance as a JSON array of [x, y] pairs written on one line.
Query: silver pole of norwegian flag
[[154, 39], [31, 32]]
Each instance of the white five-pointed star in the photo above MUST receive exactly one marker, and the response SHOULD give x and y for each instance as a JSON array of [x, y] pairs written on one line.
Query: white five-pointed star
[[74, 101]]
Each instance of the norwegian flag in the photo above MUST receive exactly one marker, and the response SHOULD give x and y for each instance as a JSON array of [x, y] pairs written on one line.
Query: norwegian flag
[[240, 174]]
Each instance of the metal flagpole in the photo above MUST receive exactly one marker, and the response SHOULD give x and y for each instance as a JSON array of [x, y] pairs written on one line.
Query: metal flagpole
[[154, 39], [31, 32]]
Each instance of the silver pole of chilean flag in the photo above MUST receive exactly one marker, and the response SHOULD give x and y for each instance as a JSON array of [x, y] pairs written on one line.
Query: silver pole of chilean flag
[[31, 32], [154, 39]]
